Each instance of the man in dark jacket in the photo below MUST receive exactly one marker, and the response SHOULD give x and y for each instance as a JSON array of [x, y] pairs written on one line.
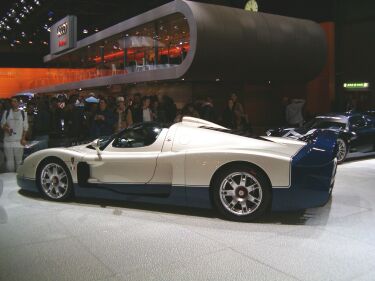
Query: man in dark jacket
[[103, 122], [42, 124]]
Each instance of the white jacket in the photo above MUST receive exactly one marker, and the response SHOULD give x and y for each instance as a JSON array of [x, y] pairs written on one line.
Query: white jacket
[[16, 122]]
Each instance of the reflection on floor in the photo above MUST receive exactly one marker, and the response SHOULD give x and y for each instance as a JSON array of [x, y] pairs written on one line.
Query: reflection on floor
[[95, 240]]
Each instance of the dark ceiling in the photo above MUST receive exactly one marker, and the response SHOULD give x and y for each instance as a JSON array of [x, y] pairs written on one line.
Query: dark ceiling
[[25, 43]]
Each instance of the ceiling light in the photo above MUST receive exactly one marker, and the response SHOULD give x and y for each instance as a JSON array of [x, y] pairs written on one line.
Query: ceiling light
[[4, 37], [37, 2], [22, 15], [217, 79], [22, 1], [30, 42], [45, 43], [85, 31], [23, 34], [8, 27], [17, 20], [96, 29], [11, 44]]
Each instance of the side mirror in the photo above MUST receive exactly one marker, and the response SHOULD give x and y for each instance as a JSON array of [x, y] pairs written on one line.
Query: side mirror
[[96, 144]]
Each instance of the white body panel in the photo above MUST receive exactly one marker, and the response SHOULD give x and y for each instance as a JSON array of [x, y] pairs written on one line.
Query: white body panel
[[184, 155]]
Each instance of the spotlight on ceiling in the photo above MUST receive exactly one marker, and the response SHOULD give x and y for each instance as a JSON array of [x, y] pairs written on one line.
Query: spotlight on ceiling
[[37, 2], [85, 31], [17, 20], [22, 15]]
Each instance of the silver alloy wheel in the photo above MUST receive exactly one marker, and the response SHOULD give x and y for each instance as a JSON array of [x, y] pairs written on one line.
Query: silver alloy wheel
[[241, 193], [54, 181], [341, 153]]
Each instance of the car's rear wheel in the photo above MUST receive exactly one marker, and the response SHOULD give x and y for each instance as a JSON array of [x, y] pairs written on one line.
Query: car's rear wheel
[[342, 150], [241, 193], [54, 180]]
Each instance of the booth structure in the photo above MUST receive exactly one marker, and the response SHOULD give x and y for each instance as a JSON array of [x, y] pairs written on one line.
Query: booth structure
[[190, 41]]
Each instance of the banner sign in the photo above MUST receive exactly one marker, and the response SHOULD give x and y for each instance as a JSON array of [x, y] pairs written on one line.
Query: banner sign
[[63, 35]]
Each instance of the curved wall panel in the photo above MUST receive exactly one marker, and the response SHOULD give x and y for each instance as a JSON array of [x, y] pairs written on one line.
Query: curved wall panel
[[225, 43], [233, 44]]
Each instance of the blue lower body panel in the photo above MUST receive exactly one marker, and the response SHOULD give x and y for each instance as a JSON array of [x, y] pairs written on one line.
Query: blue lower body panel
[[311, 187], [27, 184], [313, 172]]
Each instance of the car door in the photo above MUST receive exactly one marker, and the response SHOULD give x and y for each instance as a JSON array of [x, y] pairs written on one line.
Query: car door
[[365, 133], [130, 159]]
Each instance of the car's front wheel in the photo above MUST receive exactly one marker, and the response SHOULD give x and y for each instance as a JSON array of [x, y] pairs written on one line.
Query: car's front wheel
[[342, 150], [54, 180], [241, 193]]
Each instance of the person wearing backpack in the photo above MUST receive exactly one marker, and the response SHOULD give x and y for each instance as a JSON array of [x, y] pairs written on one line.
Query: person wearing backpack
[[15, 125]]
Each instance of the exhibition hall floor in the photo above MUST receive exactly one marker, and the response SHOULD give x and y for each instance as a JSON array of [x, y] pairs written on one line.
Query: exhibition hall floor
[[93, 240]]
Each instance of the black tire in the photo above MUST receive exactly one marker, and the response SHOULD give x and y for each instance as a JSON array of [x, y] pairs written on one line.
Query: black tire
[[257, 201], [342, 150], [57, 181]]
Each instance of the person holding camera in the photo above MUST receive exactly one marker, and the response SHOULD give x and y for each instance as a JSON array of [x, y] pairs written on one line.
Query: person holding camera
[[15, 125]]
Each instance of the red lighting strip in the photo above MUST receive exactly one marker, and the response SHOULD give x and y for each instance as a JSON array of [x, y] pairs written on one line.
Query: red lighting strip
[[173, 52]]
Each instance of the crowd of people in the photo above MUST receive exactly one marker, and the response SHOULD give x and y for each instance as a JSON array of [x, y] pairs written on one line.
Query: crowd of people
[[67, 120]]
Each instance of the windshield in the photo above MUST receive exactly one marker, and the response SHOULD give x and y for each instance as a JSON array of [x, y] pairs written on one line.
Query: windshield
[[146, 134], [104, 141]]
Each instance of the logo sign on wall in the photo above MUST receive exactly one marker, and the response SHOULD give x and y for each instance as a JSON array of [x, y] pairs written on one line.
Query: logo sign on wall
[[63, 34], [352, 86]]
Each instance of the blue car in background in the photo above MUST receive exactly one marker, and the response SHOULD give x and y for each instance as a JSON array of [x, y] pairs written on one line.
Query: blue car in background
[[356, 131]]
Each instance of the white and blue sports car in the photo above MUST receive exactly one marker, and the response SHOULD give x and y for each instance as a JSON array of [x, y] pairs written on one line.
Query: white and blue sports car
[[194, 163]]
